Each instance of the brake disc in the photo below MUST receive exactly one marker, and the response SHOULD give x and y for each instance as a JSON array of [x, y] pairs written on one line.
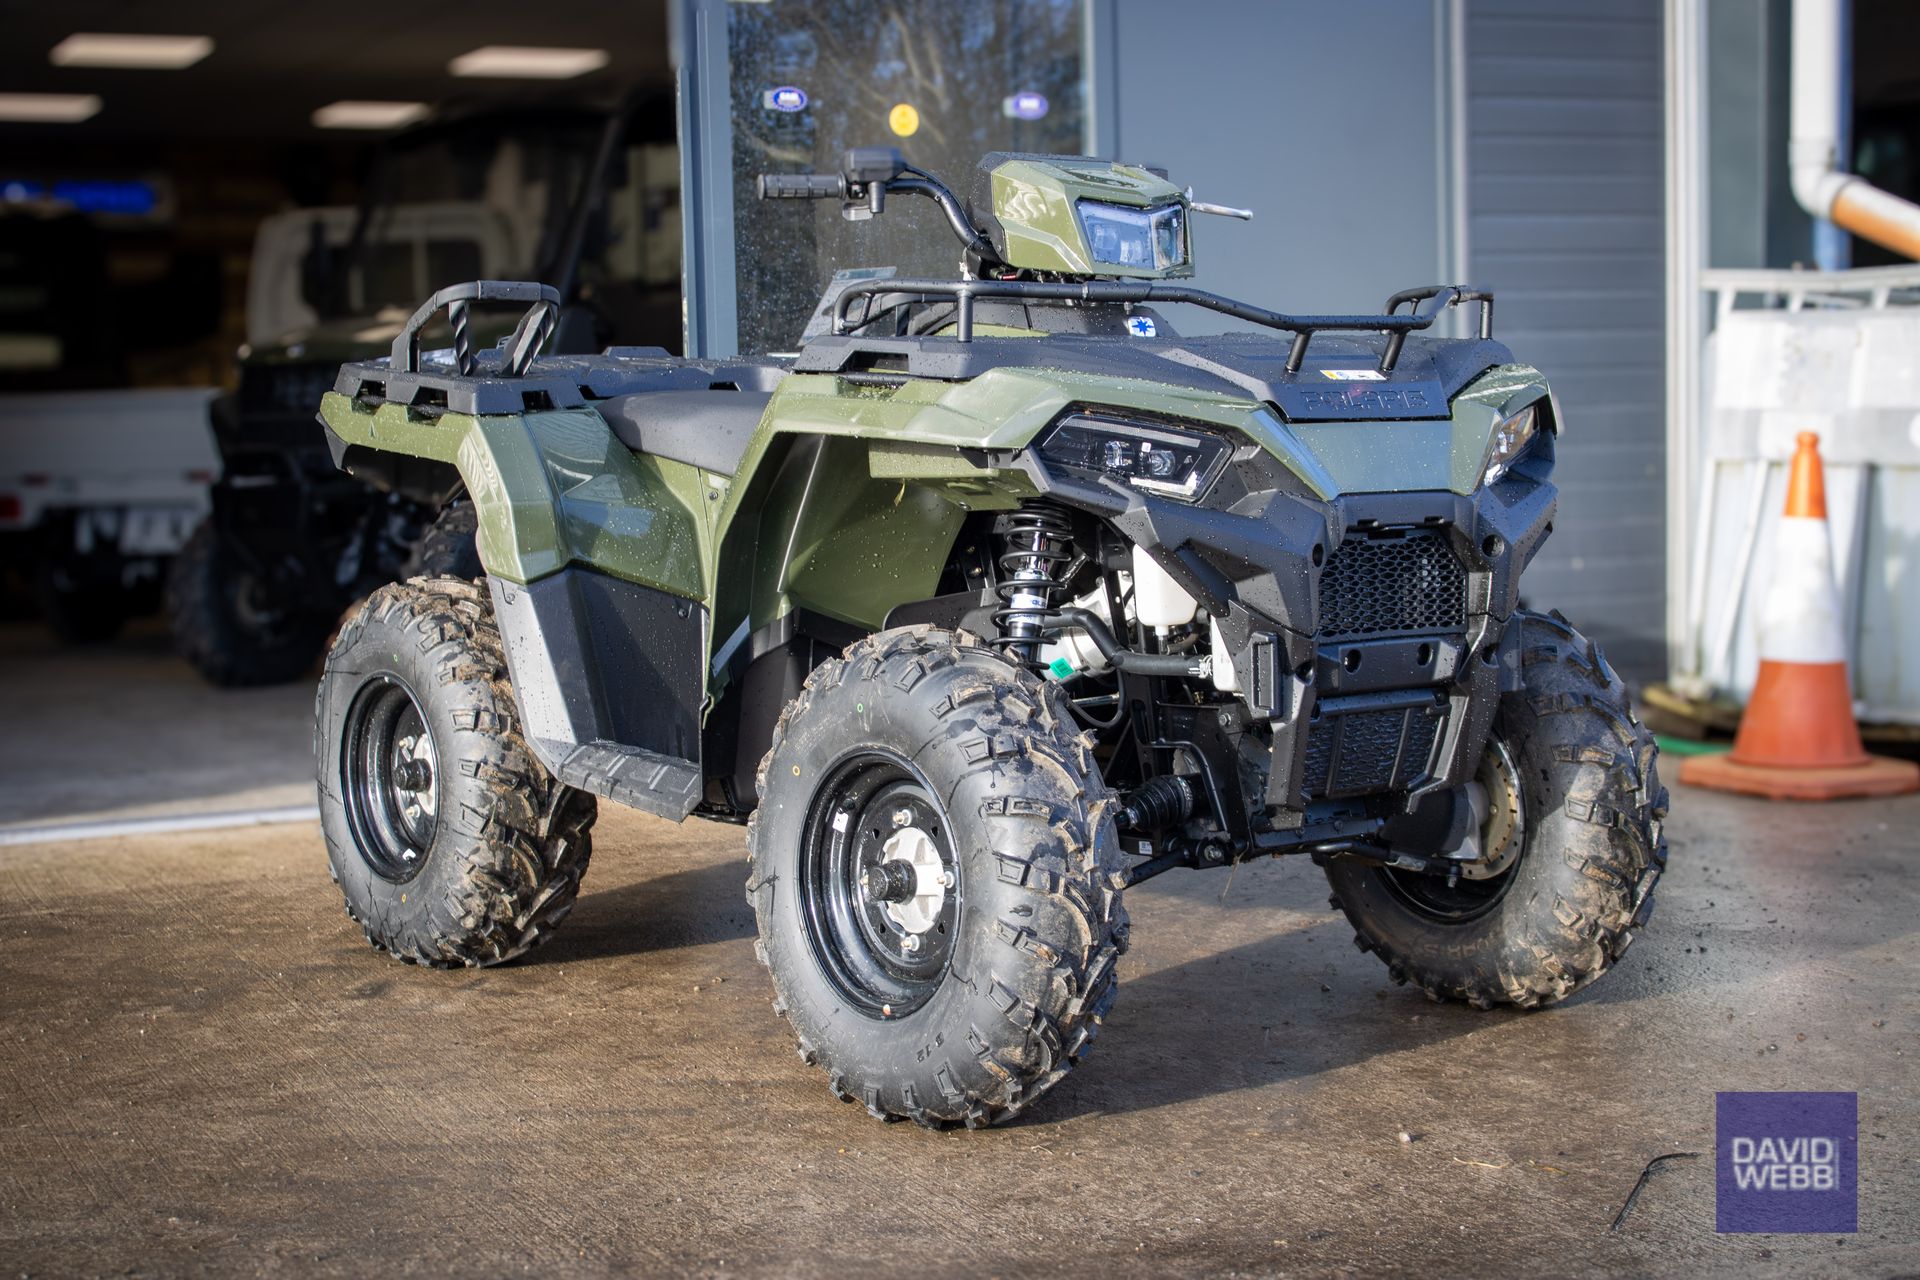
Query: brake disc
[[1502, 831]]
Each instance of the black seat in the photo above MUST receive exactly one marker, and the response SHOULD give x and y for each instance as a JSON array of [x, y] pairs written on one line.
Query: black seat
[[709, 429]]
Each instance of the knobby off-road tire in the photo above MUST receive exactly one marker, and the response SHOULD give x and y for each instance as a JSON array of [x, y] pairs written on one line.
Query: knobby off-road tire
[[496, 863], [216, 629], [930, 728], [1592, 809], [446, 548]]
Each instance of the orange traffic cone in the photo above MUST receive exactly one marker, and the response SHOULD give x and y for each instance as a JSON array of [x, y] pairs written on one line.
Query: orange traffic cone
[[1798, 740]]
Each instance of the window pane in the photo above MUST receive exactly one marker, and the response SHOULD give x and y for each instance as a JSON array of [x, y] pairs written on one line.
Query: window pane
[[997, 75]]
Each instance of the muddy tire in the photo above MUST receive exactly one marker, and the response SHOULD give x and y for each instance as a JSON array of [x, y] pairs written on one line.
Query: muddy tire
[[446, 547], [923, 787], [451, 843], [219, 626], [1589, 842]]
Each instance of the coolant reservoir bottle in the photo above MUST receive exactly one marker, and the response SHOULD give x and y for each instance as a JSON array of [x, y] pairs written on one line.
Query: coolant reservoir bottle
[[1158, 600]]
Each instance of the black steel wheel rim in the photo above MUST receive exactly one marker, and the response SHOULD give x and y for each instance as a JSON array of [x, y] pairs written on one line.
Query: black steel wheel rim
[[1431, 896], [390, 771], [859, 944]]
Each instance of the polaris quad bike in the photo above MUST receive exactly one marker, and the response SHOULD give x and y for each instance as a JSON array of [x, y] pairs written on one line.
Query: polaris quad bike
[[995, 600]]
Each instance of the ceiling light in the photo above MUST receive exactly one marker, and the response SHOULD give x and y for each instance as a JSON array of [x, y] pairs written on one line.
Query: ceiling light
[[369, 115], [528, 63], [49, 108], [158, 53]]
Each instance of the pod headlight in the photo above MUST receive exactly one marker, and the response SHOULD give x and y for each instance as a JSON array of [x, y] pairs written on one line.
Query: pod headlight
[[1146, 239], [1511, 436], [1154, 459]]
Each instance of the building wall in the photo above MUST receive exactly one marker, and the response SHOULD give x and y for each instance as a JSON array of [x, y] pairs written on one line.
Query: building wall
[[1319, 116], [1338, 127], [1565, 222]]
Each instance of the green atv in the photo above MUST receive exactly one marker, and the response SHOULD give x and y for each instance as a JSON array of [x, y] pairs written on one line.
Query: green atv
[[996, 599]]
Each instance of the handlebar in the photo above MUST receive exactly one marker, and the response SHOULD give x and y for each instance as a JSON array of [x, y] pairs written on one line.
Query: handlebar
[[868, 175], [801, 186]]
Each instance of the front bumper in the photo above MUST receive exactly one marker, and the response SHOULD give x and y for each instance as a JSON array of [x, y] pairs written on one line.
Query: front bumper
[[1363, 697]]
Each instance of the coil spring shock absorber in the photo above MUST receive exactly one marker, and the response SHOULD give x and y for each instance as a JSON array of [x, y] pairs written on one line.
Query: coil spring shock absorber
[[1039, 541]]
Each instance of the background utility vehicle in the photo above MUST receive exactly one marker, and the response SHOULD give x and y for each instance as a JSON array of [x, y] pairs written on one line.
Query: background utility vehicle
[[998, 598], [569, 194]]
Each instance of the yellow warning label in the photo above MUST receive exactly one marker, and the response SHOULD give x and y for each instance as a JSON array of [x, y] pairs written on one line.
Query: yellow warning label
[[904, 119]]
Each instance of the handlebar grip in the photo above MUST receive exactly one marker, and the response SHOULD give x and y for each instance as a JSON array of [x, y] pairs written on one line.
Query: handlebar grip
[[800, 186]]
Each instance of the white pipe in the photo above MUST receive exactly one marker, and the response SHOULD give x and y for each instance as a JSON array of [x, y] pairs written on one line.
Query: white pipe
[[1813, 147]]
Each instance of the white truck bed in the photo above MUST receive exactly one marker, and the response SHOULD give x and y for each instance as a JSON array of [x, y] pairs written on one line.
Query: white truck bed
[[139, 462]]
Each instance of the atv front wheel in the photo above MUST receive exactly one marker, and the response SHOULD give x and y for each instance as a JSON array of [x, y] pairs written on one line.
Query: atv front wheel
[[1569, 845], [451, 842], [936, 878]]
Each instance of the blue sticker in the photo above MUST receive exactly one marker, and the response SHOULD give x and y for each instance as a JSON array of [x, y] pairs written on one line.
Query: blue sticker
[[1024, 106], [785, 98], [1142, 327]]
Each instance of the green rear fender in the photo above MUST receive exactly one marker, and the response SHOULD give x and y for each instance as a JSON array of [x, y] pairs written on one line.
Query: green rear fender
[[555, 487]]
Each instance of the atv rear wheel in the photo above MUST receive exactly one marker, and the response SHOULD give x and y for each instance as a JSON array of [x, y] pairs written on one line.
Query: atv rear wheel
[[936, 877], [1570, 845], [226, 622], [452, 844]]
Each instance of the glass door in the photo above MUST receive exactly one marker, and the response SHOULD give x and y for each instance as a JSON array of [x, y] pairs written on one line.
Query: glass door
[[784, 86]]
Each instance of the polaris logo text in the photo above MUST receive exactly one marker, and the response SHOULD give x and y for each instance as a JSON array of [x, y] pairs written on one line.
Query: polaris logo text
[[1798, 1164]]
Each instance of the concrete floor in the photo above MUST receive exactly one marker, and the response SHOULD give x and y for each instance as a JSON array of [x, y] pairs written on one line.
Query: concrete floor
[[128, 731], [204, 1069]]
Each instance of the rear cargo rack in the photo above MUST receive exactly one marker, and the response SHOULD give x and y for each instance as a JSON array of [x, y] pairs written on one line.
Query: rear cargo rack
[[536, 326], [1395, 326]]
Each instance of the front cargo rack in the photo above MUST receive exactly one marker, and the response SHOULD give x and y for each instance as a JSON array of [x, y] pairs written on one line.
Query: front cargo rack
[[1395, 326]]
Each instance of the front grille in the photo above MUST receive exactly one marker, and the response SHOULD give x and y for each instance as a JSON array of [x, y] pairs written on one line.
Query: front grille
[[1382, 585], [1356, 746]]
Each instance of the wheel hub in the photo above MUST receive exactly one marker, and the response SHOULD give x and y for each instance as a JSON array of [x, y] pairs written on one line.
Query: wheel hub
[[879, 885], [413, 779], [910, 882]]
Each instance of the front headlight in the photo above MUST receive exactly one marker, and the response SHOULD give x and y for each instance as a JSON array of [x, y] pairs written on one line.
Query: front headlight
[[1148, 239], [1153, 459], [1511, 436]]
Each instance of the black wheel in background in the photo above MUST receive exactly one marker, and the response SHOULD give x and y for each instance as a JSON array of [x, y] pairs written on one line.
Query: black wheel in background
[[79, 607], [447, 547], [229, 624]]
